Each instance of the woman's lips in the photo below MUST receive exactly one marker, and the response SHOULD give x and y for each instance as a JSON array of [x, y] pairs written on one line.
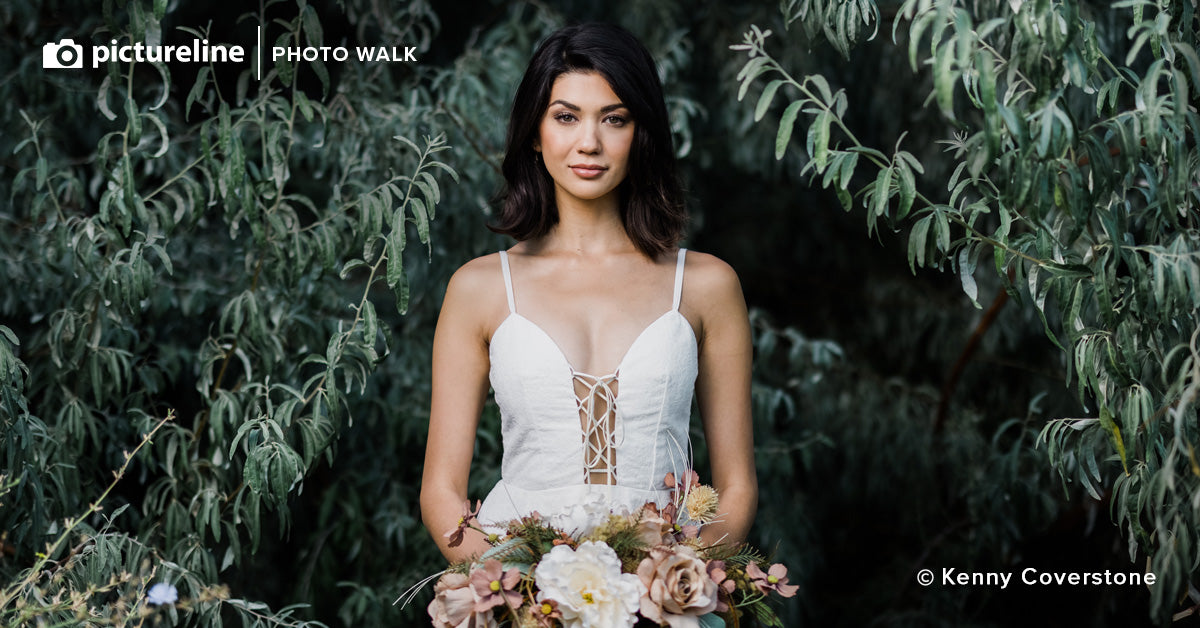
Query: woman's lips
[[588, 171]]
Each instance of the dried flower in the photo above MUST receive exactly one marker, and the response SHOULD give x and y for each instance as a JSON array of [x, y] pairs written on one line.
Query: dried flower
[[495, 587], [716, 572], [689, 479], [653, 527], [464, 522], [775, 579], [582, 582], [162, 593], [453, 604], [688, 534], [701, 503], [544, 613], [669, 513], [678, 588]]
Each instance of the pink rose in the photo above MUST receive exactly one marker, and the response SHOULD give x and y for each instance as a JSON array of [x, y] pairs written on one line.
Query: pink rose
[[678, 587], [453, 604]]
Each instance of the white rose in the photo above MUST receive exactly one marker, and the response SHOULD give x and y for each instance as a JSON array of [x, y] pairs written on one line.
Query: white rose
[[589, 587]]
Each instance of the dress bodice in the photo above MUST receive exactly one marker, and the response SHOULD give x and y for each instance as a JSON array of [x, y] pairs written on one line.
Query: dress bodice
[[570, 436]]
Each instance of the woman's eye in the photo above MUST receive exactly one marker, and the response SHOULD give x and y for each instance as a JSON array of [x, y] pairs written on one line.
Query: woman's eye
[[564, 117], [617, 120]]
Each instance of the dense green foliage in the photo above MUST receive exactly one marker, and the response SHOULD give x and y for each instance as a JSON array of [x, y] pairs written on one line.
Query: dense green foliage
[[1076, 142], [262, 262], [164, 255]]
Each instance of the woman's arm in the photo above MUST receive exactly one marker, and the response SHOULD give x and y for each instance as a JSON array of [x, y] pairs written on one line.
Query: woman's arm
[[723, 393], [460, 384]]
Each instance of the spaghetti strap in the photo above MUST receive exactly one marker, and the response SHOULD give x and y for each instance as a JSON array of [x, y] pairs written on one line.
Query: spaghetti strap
[[508, 291], [678, 281], [572, 439]]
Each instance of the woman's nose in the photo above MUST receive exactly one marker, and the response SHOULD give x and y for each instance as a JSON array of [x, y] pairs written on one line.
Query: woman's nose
[[589, 141]]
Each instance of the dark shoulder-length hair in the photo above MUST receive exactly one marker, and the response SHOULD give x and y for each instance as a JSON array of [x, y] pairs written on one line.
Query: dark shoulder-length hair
[[651, 196]]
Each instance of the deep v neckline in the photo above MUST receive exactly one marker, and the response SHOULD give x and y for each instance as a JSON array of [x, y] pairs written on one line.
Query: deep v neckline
[[620, 442], [562, 354], [675, 301]]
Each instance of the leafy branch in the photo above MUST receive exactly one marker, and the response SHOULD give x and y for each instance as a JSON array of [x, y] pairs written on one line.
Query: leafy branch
[[896, 174], [47, 560], [1085, 172]]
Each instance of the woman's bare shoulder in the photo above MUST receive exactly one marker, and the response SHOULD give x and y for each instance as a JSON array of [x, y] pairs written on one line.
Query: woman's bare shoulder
[[478, 274], [476, 294], [712, 296], [708, 277]]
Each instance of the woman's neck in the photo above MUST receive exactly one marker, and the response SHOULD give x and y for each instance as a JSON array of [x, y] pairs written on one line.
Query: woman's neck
[[587, 228]]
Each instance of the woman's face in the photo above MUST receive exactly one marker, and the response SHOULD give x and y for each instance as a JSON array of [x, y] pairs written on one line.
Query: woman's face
[[584, 138]]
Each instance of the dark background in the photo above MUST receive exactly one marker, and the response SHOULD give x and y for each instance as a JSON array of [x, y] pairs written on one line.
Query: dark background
[[887, 442]]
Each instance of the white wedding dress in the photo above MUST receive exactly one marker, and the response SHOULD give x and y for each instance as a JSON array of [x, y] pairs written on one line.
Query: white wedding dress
[[572, 438]]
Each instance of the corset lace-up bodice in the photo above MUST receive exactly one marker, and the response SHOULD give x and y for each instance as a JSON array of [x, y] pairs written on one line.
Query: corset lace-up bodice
[[570, 436]]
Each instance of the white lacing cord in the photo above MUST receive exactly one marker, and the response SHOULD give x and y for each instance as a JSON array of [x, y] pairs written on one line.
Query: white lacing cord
[[601, 434]]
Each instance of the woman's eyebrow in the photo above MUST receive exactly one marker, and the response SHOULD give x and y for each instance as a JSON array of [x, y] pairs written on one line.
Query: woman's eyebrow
[[604, 109]]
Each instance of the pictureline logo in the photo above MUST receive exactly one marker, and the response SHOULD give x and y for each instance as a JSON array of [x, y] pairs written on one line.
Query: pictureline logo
[[67, 54]]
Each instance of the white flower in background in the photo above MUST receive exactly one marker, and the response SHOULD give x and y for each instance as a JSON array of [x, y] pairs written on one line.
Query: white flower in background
[[162, 593], [589, 587]]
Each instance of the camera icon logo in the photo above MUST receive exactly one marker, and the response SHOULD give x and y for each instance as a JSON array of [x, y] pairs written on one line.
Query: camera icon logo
[[65, 54]]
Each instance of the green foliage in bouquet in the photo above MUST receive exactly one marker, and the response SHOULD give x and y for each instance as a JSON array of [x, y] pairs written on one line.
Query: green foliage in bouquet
[[1076, 176]]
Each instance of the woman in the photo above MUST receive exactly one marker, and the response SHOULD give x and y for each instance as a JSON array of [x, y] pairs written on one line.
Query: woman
[[587, 329]]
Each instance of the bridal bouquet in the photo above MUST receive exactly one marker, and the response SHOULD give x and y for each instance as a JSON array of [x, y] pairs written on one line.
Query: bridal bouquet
[[594, 568]]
